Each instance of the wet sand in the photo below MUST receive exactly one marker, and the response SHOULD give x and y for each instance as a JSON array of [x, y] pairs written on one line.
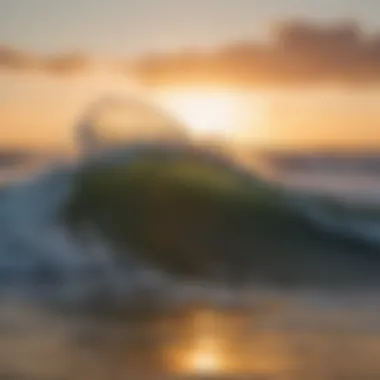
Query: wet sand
[[292, 342]]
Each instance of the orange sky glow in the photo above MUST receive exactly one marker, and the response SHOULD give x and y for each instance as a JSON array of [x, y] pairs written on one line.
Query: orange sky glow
[[39, 111]]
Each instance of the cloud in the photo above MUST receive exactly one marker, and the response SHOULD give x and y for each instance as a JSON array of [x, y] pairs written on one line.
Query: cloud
[[13, 59], [66, 63], [298, 52]]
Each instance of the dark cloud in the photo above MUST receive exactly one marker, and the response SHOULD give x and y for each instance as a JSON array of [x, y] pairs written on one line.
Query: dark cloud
[[15, 59], [58, 64], [298, 52]]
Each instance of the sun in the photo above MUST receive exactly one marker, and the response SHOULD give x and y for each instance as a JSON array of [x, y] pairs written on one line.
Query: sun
[[205, 112]]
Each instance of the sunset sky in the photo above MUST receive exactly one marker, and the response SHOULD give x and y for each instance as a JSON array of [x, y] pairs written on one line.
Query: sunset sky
[[37, 108], [135, 26]]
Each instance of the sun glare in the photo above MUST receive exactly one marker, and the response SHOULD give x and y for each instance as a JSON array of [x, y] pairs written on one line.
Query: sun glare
[[207, 112]]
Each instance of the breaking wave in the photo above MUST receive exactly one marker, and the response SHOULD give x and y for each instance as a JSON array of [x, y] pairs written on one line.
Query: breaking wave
[[41, 258]]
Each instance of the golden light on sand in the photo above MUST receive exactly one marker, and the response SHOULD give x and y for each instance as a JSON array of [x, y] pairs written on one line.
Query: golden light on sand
[[209, 112]]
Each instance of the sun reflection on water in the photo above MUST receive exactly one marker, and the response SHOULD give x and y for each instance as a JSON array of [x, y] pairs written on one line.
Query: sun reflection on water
[[205, 359]]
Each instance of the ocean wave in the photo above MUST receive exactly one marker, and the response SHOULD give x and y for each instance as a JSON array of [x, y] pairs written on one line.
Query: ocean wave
[[298, 244]]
